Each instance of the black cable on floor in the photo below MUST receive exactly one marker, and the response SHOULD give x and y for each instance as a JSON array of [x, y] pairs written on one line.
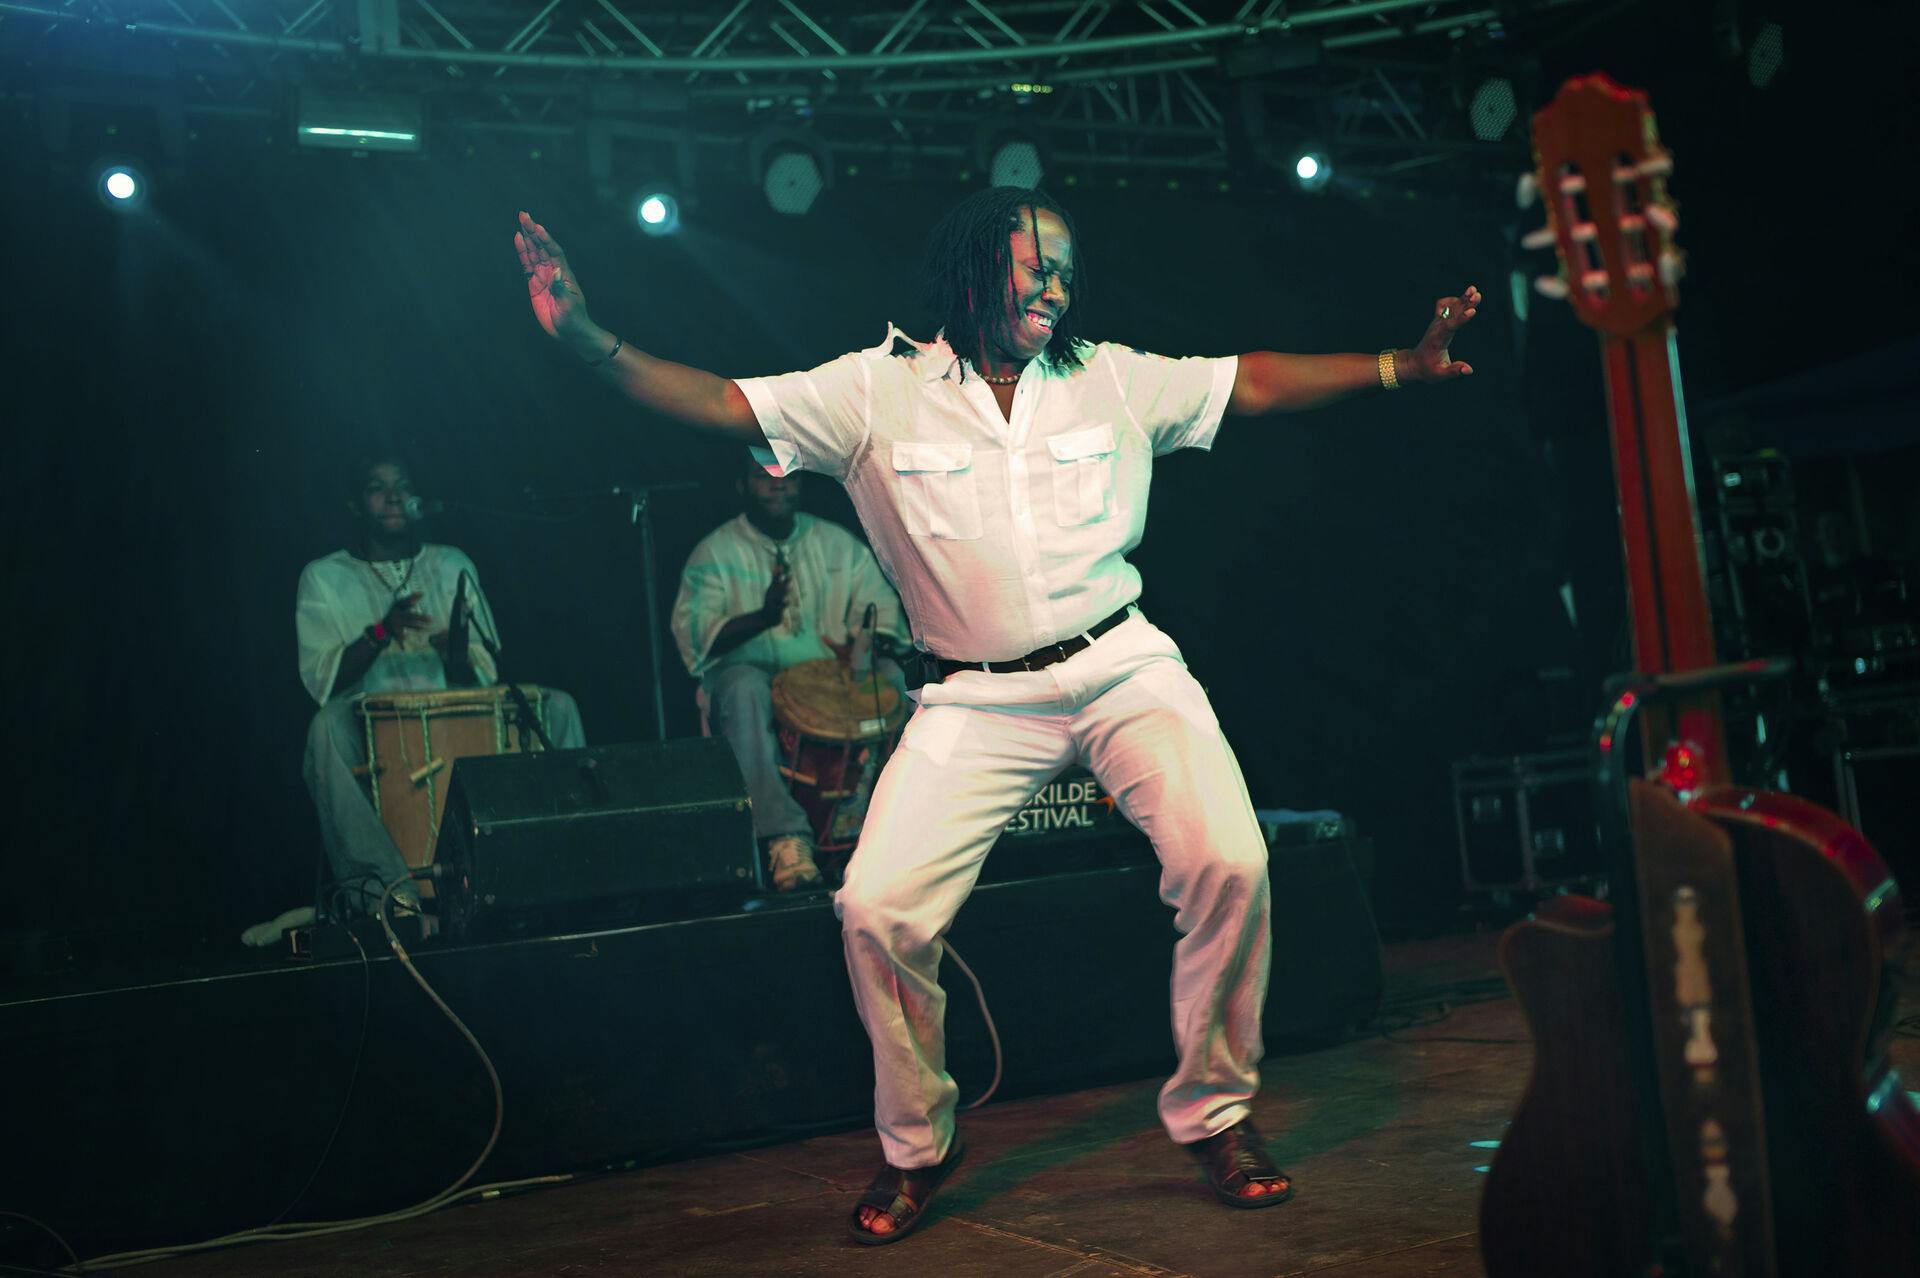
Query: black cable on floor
[[50, 1232], [353, 1079]]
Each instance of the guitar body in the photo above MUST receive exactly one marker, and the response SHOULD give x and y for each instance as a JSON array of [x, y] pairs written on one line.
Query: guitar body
[[1574, 1189], [1843, 1135], [1568, 1192]]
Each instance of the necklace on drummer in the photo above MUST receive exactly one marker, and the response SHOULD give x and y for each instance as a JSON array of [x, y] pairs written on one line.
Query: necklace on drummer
[[380, 567]]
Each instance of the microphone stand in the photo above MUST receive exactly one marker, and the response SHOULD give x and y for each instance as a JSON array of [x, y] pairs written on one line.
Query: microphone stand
[[528, 717], [459, 625], [639, 515]]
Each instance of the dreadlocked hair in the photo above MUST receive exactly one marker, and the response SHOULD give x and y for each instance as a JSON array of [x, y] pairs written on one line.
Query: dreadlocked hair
[[969, 265]]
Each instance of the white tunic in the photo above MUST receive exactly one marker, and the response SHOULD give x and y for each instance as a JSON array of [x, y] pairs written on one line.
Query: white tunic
[[1002, 536], [832, 578], [341, 595]]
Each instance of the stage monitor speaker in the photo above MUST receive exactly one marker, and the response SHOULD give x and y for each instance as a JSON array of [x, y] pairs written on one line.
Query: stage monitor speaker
[[1328, 974], [1106, 936], [563, 831]]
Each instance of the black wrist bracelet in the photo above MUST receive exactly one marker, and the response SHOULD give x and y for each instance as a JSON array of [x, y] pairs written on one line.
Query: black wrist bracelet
[[618, 342]]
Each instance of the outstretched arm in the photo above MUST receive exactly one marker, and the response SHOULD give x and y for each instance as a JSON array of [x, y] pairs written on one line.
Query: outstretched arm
[[1268, 382], [688, 395]]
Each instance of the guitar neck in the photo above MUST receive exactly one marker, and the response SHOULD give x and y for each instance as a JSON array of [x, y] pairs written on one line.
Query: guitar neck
[[1666, 568]]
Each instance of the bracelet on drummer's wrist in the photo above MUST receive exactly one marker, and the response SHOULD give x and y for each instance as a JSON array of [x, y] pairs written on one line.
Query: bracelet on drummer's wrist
[[378, 635]]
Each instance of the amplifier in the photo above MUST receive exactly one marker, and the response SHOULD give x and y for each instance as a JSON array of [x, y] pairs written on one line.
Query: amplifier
[[1526, 823], [576, 828], [1328, 969]]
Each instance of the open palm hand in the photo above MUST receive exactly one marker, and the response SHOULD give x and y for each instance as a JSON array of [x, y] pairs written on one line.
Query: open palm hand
[[552, 287]]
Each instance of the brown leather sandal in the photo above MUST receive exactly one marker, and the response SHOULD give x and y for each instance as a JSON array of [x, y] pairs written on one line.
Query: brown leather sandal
[[903, 1193], [1236, 1158]]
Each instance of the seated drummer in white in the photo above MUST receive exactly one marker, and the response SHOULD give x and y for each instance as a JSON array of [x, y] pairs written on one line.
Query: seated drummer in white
[[373, 618], [771, 588]]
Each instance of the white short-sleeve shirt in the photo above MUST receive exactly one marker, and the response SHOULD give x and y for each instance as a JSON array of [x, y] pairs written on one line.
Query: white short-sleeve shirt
[[1002, 536], [832, 579], [340, 595]]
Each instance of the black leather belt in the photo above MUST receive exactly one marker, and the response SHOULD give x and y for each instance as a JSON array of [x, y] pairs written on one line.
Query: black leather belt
[[1039, 658]]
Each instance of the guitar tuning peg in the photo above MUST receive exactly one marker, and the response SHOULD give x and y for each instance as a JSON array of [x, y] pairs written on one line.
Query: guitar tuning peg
[[1526, 191], [1537, 239], [1673, 265], [1552, 286], [1658, 164], [1663, 217]]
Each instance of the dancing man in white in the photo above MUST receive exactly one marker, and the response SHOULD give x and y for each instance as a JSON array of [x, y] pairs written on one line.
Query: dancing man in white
[[1001, 473]]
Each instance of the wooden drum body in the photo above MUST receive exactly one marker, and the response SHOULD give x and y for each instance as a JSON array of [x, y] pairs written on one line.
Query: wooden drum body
[[835, 731], [413, 739]]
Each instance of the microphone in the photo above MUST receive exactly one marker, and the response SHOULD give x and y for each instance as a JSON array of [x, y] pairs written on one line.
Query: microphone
[[860, 651], [417, 509]]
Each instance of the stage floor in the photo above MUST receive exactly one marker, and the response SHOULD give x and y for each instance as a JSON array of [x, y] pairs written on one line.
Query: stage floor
[[1380, 1133]]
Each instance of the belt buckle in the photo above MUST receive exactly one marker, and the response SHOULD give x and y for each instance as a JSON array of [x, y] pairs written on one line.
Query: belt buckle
[[1059, 654]]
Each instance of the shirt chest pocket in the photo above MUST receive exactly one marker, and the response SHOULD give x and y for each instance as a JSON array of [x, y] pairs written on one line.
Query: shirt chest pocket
[[938, 496], [1085, 463]]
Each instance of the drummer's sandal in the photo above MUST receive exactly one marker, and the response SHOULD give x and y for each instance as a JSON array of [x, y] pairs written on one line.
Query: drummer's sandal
[[790, 858], [1234, 1161], [902, 1194]]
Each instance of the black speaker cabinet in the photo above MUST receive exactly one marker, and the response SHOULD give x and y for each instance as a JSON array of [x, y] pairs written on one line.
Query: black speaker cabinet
[[566, 830], [1328, 973]]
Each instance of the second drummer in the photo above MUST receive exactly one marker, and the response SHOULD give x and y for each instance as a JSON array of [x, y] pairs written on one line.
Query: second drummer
[[766, 590]]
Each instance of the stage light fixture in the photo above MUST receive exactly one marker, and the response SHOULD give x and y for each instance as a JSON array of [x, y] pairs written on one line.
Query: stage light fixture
[[792, 183], [1312, 170], [1766, 54], [358, 121], [657, 211], [792, 168], [1016, 162], [1494, 109], [122, 187]]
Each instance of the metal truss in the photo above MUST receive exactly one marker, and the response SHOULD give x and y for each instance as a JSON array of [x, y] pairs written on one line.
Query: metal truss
[[1208, 87]]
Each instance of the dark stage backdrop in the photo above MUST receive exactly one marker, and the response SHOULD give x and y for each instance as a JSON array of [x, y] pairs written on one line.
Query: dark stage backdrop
[[1357, 587], [188, 385]]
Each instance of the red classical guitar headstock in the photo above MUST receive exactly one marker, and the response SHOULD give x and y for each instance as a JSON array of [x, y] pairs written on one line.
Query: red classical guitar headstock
[[1602, 175]]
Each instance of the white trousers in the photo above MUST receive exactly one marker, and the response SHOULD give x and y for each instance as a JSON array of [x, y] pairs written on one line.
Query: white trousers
[[978, 748]]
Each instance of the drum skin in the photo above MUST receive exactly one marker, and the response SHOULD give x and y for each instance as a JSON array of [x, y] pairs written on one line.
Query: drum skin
[[822, 699]]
